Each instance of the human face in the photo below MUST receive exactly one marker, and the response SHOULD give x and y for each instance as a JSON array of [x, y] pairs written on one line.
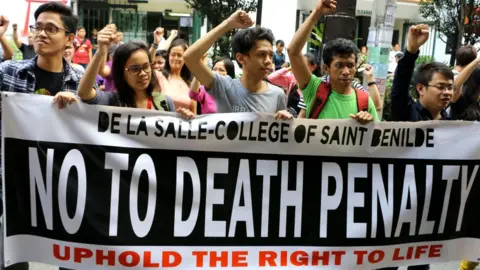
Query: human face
[[258, 61], [437, 94], [138, 71], [119, 36], [280, 48], [396, 48], [176, 58], [310, 66], [69, 52], [81, 33], [158, 63], [342, 70], [51, 44], [94, 32], [364, 50], [220, 68]]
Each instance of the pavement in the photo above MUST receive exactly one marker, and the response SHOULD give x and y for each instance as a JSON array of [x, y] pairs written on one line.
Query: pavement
[[442, 266]]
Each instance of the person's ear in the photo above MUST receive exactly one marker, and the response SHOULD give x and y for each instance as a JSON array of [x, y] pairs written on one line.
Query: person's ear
[[70, 38], [421, 89], [326, 68], [241, 58]]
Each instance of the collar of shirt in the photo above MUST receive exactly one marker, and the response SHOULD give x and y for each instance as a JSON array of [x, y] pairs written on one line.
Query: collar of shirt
[[29, 66], [426, 115]]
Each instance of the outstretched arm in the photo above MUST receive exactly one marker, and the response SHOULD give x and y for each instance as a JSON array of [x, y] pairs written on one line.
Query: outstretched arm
[[193, 55], [299, 65]]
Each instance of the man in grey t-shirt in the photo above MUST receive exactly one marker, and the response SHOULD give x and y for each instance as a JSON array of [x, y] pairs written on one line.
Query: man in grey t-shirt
[[231, 96], [253, 50]]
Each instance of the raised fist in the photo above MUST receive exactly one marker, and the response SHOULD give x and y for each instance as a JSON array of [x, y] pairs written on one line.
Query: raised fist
[[240, 20]]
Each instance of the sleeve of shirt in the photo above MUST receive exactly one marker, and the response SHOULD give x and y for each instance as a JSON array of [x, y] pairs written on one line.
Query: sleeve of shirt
[[102, 98], [372, 110], [198, 96], [400, 95], [221, 84], [301, 103], [281, 78], [310, 91], [282, 102]]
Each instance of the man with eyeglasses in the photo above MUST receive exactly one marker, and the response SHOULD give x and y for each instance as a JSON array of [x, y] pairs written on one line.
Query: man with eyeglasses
[[433, 82], [47, 73]]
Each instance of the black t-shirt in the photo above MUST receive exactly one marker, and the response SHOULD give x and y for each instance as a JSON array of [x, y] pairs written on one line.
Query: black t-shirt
[[47, 83], [28, 51]]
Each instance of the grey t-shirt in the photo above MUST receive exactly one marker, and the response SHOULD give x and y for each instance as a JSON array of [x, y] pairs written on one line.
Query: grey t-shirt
[[111, 99], [231, 96]]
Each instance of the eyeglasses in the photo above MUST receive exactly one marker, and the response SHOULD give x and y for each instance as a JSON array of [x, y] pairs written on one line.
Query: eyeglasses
[[49, 29], [136, 69], [443, 87]]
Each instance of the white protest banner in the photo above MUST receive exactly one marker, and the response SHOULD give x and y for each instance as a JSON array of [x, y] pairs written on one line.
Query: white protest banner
[[94, 187]]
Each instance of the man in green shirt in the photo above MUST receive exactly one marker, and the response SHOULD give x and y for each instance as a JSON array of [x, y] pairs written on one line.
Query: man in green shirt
[[340, 62]]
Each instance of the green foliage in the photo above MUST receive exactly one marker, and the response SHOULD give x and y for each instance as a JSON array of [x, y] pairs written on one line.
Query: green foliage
[[423, 59], [216, 11], [317, 34], [452, 18], [387, 101]]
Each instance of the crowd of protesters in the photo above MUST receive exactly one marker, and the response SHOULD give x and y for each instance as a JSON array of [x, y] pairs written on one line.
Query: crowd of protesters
[[171, 75]]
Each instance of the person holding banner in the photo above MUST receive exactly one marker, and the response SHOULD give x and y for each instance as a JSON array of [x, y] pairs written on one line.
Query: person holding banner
[[334, 99], [253, 49], [133, 76], [434, 83]]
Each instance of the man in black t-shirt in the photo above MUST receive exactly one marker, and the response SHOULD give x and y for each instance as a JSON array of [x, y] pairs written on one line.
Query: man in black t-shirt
[[27, 50]]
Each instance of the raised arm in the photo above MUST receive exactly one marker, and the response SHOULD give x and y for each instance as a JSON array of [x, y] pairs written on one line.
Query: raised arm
[[193, 55], [463, 77], [299, 65], [157, 37], [85, 89], [17, 41], [372, 87], [7, 49]]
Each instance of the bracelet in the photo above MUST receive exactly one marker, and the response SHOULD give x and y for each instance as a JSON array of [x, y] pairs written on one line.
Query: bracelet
[[155, 46], [372, 83]]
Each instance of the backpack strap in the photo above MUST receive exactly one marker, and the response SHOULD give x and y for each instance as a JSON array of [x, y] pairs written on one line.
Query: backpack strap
[[321, 97], [160, 101], [362, 100]]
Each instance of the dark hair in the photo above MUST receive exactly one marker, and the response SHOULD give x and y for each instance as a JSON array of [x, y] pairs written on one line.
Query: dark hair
[[425, 72], [313, 60], [185, 72], [126, 94], [471, 112], [465, 55], [229, 66], [245, 40], [70, 21], [280, 42], [80, 28], [162, 53], [339, 47]]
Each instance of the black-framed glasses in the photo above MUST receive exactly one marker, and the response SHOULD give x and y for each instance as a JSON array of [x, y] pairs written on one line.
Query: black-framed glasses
[[49, 29], [136, 69], [443, 87]]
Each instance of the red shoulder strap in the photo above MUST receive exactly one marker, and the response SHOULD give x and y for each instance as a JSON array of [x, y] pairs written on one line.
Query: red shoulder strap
[[323, 91], [362, 100]]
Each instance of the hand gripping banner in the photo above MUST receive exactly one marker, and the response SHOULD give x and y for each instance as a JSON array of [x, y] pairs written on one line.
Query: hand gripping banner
[[94, 187]]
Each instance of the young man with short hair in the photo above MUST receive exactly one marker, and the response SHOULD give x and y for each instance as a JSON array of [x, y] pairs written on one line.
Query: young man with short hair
[[433, 82], [253, 50], [334, 99], [48, 73]]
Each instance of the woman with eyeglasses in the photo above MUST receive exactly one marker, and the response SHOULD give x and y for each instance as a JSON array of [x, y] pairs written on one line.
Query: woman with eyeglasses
[[133, 76]]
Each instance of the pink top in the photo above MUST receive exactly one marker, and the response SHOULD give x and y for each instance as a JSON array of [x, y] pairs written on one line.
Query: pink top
[[178, 91], [207, 102], [283, 78]]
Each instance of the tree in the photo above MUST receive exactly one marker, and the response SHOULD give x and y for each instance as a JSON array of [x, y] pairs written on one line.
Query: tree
[[216, 11], [456, 20]]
